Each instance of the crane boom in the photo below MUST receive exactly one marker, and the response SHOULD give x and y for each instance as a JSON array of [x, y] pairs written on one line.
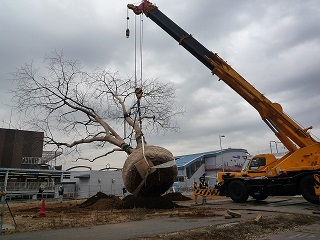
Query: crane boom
[[285, 128], [297, 172]]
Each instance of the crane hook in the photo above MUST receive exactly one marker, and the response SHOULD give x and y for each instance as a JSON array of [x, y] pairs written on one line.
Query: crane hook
[[127, 30]]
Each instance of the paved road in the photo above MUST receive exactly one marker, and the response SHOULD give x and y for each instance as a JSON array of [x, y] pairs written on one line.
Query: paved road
[[121, 231], [311, 232], [151, 227], [284, 205]]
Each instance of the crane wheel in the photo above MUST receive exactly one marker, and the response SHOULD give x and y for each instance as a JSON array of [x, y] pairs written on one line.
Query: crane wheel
[[238, 191], [259, 196], [306, 188]]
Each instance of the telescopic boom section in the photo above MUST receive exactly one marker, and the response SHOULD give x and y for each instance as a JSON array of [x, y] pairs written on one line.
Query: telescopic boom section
[[286, 129]]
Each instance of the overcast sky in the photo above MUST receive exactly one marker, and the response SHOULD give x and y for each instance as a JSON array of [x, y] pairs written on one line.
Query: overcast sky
[[275, 45]]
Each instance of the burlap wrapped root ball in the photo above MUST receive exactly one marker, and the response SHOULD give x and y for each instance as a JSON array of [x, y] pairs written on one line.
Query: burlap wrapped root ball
[[157, 180]]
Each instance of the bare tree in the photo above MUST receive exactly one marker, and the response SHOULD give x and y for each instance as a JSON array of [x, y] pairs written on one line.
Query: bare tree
[[75, 107]]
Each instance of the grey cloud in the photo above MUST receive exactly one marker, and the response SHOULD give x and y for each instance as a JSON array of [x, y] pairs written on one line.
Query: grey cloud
[[274, 44]]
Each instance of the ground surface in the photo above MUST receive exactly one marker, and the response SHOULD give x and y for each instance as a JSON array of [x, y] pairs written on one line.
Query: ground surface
[[277, 215]]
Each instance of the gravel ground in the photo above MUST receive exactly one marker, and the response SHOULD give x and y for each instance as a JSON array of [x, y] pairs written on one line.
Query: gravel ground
[[131, 218]]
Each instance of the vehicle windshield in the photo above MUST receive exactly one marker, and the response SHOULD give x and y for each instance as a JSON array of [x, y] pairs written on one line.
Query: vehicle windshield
[[257, 162], [246, 164]]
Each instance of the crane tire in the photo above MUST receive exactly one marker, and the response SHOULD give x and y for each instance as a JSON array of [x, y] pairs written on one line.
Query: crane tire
[[259, 196], [238, 191], [306, 188]]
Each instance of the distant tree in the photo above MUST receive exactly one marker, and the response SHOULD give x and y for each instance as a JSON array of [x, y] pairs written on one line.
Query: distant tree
[[67, 102]]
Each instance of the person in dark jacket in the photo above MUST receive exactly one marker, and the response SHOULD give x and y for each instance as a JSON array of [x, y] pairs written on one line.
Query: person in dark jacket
[[40, 193], [203, 185], [60, 191]]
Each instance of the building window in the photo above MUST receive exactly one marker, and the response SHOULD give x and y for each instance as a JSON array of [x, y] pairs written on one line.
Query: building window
[[180, 179]]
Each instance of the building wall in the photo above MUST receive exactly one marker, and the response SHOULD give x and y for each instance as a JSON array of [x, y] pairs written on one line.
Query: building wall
[[16, 144], [108, 182], [83, 187], [232, 158], [88, 183]]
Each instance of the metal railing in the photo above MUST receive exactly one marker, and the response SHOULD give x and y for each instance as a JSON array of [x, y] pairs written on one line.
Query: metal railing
[[28, 190], [27, 186]]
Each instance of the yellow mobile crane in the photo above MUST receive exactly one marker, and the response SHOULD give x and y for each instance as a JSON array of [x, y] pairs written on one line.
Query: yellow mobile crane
[[297, 172]]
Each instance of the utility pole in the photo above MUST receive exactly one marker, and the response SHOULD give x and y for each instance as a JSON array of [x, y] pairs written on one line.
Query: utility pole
[[221, 136]]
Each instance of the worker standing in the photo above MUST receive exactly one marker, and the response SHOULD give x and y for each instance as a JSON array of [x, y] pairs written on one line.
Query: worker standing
[[195, 187], [60, 191], [203, 185]]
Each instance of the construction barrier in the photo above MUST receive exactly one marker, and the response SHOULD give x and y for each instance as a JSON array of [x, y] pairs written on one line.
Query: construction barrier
[[206, 192]]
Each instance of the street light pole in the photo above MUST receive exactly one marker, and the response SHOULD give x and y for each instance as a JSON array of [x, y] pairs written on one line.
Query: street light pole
[[221, 136], [276, 143]]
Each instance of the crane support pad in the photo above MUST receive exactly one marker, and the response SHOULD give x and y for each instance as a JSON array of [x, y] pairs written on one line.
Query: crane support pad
[[206, 192]]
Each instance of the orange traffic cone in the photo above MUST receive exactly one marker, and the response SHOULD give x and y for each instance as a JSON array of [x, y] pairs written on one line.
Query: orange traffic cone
[[42, 212]]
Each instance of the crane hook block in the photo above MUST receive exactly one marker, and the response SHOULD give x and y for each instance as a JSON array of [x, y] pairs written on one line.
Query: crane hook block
[[138, 92], [127, 33]]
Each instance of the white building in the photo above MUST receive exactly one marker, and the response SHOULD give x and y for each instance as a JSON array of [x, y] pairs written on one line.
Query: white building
[[192, 167], [88, 183]]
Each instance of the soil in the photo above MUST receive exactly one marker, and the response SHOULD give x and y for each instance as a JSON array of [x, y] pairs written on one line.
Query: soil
[[130, 202], [101, 201], [108, 209]]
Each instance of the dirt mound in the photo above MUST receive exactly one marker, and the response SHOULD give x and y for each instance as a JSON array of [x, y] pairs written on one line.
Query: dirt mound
[[150, 203], [176, 196], [101, 201]]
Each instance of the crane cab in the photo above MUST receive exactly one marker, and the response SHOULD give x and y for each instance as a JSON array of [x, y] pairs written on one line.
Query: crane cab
[[252, 167], [258, 162]]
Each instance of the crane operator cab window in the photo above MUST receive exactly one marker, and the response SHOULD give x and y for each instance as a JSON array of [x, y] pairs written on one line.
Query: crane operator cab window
[[257, 162]]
